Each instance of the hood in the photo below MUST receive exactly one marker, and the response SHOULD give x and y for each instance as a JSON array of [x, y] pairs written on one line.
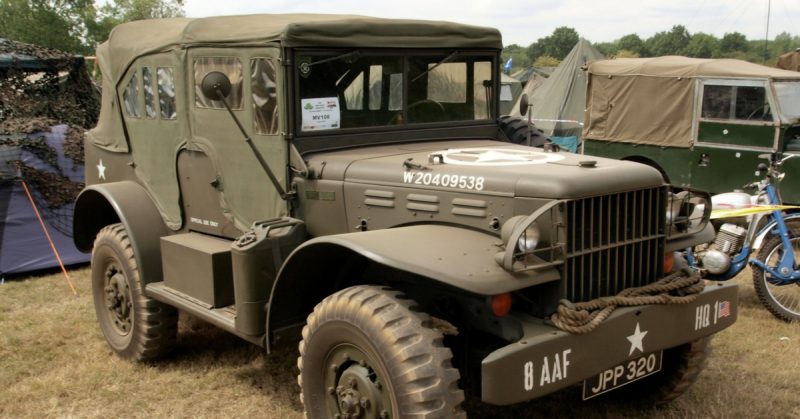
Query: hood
[[489, 168]]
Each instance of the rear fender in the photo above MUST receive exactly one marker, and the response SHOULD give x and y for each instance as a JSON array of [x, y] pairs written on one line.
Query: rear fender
[[122, 202], [455, 257]]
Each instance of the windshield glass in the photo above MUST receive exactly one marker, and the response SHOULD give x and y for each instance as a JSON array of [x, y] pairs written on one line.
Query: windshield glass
[[358, 89], [789, 99]]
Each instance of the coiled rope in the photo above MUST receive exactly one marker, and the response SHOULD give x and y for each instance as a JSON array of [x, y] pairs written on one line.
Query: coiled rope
[[681, 287]]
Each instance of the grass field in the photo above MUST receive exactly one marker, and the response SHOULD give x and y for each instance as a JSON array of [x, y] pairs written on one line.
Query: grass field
[[55, 363]]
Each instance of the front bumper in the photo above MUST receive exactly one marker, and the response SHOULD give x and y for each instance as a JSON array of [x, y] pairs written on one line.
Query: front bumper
[[547, 359]]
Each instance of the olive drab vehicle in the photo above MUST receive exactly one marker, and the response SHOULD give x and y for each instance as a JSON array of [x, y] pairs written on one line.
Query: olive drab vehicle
[[344, 182]]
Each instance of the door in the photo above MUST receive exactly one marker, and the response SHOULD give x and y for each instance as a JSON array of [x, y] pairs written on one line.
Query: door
[[246, 194], [735, 123]]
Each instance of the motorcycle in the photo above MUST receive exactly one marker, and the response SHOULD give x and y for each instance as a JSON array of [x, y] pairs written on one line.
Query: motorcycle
[[760, 223]]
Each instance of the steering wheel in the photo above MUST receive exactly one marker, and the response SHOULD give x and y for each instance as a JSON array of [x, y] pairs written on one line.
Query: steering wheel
[[437, 105], [763, 109]]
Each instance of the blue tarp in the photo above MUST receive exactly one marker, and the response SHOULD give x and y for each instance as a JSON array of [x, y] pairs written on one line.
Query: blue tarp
[[23, 245]]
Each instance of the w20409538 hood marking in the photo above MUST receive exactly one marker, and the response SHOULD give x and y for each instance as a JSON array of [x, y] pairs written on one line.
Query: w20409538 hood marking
[[444, 179]]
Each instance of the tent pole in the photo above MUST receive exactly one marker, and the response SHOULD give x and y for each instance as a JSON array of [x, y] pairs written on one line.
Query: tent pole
[[50, 240]]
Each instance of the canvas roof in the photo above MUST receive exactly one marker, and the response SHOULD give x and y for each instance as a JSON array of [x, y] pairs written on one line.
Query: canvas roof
[[675, 66], [131, 40], [651, 100]]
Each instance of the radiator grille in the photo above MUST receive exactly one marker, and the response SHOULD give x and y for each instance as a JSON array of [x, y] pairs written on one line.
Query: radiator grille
[[614, 242]]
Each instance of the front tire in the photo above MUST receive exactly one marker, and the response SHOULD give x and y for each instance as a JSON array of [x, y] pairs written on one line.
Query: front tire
[[783, 301], [134, 325], [366, 354], [680, 368]]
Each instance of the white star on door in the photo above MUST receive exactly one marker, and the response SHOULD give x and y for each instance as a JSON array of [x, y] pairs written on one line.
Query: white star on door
[[101, 170], [636, 340]]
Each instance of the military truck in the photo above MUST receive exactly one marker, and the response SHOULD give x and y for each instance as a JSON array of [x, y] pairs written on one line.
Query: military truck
[[344, 182], [702, 122]]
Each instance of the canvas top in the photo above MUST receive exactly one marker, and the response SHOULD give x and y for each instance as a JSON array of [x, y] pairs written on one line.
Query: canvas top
[[675, 66], [134, 39]]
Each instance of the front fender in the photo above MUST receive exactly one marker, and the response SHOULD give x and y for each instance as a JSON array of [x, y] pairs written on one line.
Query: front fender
[[122, 202], [461, 258], [762, 234]]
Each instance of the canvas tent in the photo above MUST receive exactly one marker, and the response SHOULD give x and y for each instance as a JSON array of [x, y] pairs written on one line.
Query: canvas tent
[[790, 61], [510, 89], [47, 102], [562, 97]]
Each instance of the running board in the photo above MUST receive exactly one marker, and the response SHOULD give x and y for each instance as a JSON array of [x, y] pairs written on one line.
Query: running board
[[224, 317]]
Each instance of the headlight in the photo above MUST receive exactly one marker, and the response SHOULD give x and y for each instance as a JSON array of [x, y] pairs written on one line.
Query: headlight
[[688, 212], [530, 238]]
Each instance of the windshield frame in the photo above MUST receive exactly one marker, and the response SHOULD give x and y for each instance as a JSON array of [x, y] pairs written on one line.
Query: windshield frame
[[299, 55]]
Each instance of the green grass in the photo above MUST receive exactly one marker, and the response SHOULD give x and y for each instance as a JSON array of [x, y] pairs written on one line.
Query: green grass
[[55, 363]]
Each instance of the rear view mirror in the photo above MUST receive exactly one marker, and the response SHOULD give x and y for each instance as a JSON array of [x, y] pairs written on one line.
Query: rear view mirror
[[215, 86], [523, 104]]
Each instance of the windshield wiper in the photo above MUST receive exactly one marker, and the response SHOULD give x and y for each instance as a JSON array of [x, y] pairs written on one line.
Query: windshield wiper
[[354, 53], [445, 60]]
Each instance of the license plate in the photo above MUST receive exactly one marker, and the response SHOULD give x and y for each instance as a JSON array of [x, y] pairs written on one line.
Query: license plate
[[618, 376]]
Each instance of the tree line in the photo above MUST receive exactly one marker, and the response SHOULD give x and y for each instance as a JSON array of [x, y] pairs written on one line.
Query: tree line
[[75, 26], [551, 49]]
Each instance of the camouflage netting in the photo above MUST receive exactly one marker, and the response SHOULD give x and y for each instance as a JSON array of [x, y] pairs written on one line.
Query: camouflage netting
[[40, 90]]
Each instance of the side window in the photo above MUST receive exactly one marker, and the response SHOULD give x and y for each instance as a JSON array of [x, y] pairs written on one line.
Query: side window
[[231, 67], [396, 91], [483, 74], [447, 82], [166, 93], [149, 97], [265, 99], [130, 97], [745, 103], [354, 93], [375, 86]]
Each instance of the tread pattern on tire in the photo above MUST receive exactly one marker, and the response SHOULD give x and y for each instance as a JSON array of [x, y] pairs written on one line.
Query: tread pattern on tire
[[759, 282], [155, 324], [691, 362], [418, 363]]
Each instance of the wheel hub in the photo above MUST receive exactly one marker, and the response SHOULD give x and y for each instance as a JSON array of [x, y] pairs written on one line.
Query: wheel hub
[[358, 392], [118, 300]]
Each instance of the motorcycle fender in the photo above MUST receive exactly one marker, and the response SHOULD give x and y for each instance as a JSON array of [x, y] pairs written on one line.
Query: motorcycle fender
[[762, 234]]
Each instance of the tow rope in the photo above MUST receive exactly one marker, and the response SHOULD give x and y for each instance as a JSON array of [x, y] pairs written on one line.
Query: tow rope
[[681, 287]]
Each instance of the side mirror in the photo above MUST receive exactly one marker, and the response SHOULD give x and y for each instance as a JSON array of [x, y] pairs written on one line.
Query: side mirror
[[523, 104], [215, 86]]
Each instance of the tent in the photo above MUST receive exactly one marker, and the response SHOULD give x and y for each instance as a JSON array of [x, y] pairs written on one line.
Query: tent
[[47, 102], [510, 89], [54, 176], [790, 61], [562, 96]]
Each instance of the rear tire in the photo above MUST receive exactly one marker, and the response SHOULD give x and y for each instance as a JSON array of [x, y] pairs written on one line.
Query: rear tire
[[783, 301], [134, 325], [365, 353], [516, 130]]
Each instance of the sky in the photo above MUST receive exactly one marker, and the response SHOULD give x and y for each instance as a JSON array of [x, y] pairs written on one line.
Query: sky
[[524, 21]]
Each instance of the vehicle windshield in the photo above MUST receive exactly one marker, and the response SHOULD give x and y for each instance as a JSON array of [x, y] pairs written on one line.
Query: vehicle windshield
[[789, 99], [344, 89]]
